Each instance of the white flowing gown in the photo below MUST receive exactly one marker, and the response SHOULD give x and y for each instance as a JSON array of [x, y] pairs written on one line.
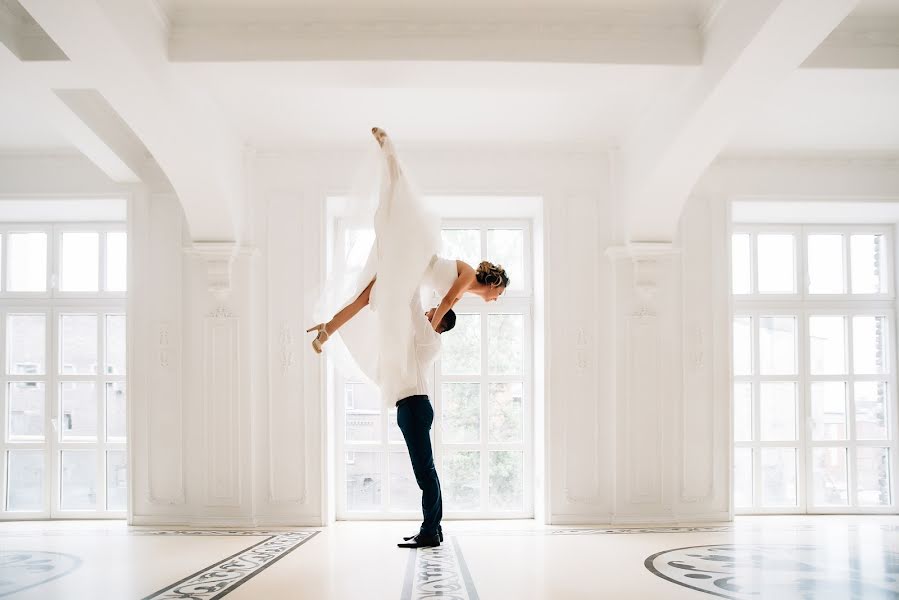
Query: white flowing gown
[[404, 264]]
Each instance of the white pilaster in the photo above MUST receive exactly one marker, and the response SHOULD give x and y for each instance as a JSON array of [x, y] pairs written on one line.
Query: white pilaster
[[647, 382]]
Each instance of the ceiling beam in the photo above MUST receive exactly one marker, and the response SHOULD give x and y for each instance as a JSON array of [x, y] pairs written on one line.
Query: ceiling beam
[[294, 34], [860, 42], [17, 78], [751, 48], [122, 45]]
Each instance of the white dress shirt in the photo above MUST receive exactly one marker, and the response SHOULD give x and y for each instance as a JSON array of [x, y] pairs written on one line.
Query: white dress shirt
[[426, 348]]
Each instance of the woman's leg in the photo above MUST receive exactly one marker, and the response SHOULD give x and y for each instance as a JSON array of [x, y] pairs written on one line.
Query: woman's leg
[[349, 311]]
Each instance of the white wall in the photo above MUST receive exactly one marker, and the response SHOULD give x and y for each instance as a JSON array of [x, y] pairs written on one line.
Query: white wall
[[227, 409]]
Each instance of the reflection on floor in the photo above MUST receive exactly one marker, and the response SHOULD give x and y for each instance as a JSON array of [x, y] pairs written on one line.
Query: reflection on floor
[[777, 558]]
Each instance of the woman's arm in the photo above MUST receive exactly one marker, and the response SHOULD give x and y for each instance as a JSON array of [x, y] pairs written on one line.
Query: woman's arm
[[462, 283]]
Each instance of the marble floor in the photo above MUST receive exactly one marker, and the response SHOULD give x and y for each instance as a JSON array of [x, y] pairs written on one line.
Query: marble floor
[[777, 558]]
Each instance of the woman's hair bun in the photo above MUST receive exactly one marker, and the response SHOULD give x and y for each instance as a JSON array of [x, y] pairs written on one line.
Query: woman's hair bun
[[491, 274]]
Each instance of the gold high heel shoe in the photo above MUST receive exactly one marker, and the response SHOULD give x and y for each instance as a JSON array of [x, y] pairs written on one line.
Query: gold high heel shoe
[[320, 338]]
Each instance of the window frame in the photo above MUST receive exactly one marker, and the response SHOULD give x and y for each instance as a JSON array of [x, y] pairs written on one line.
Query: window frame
[[53, 304], [804, 305], [54, 232], [517, 301]]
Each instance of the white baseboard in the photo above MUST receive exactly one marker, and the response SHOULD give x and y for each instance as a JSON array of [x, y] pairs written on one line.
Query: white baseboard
[[235, 522], [289, 522], [637, 520], [579, 520]]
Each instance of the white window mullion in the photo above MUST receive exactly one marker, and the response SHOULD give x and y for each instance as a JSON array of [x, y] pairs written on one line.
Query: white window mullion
[[100, 395], [54, 472], [483, 379], [757, 413], [804, 455]]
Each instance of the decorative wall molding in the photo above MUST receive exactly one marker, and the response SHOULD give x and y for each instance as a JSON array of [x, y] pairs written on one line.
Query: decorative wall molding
[[165, 417], [286, 354], [582, 466], [699, 407], [220, 312], [642, 250], [163, 345], [159, 337], [697, 339], [286, 408], [645, 258], [219, 258], [221, 400], [643, 411]]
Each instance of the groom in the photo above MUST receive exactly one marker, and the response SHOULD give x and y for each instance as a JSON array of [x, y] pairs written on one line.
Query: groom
[[414, 415]]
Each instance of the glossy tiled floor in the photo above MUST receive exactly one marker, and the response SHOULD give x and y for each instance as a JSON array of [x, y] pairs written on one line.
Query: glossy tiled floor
[[777, 558]]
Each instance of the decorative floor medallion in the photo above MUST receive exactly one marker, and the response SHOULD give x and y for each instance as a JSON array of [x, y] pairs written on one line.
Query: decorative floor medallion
[[24, 569], [784, 572]]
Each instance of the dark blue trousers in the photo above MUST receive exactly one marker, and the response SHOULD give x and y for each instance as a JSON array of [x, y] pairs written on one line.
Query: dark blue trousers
[[415, 415]]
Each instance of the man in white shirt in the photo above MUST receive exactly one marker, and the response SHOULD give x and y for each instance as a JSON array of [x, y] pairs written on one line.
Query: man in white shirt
[[414, 415]]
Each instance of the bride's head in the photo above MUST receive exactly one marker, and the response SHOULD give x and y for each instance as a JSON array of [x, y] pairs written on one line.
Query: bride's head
[[493, 278]]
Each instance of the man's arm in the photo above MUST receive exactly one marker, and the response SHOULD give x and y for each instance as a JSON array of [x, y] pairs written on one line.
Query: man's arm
[[452, 296], [427, 340]]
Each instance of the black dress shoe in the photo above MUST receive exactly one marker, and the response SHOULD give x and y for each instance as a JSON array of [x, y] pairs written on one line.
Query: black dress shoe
[[412, 537], [421, 541]]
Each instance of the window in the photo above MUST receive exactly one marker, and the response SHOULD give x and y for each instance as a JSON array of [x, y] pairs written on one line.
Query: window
[[482, 395], [814, 369], [62, 308]]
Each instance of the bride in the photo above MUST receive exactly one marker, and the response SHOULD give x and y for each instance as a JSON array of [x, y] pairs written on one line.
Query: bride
[[402, 262]]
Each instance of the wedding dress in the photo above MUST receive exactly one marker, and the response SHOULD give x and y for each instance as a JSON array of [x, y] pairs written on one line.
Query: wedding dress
[[403, 262]]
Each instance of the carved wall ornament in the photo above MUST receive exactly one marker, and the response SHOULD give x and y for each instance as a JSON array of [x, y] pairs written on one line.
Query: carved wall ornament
[[163, 345], [286, 352], [643, 312], [219, 257], [221, 312], [698, 347]]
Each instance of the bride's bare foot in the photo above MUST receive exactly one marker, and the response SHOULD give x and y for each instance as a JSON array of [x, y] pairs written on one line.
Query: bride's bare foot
[[380, 135]]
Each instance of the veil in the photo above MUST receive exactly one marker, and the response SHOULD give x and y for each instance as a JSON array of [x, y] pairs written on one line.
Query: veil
[[378, 342]]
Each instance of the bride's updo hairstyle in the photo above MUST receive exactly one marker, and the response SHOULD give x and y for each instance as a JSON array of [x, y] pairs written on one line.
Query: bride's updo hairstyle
[[491, 274]]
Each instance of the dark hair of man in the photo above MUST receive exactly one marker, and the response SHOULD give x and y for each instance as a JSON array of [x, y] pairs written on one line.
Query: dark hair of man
[[448, 321]]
